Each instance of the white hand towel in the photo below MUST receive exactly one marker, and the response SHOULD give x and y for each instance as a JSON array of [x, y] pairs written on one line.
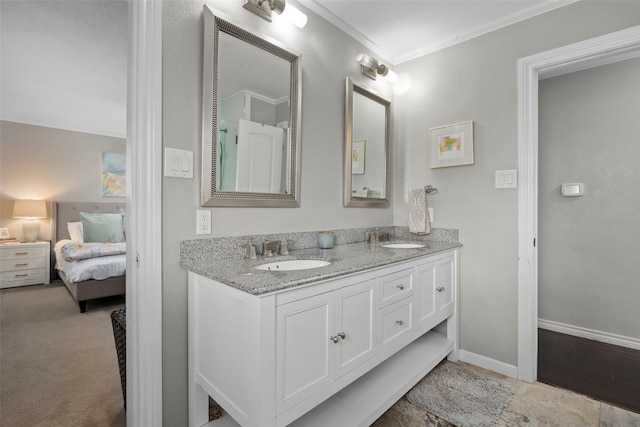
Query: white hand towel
[[419, 212]]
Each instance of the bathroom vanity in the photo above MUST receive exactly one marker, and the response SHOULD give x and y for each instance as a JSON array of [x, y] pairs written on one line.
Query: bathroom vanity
[[336, 345]]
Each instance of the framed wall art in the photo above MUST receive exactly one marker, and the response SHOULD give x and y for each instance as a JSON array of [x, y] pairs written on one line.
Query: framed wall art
[[114, 175], [451, 145], [358, 157]]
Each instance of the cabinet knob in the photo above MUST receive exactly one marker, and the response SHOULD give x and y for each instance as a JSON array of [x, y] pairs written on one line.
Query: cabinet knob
[[399, 322], [400, 286], [337, 337], [440, 289]]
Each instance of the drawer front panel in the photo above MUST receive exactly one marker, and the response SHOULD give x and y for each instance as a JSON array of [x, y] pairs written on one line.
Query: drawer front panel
[[397, 321], [22, 264], [18, 276], [395, 287], [18, 253]]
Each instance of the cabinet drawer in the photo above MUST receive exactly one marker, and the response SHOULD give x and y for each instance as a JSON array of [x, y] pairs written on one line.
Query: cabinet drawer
[[397, 321], [18, 253], [22, 264], [19, 276], [395, 287]]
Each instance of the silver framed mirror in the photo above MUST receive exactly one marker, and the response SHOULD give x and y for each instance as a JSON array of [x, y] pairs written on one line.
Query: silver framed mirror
[[252, 93], [367, 167]]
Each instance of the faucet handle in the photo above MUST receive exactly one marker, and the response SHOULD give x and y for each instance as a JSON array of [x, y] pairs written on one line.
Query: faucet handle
[[284, 248], [250, 250]]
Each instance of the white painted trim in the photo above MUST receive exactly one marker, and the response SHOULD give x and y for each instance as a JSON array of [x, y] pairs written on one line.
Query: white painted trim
[[602, 50], [488, 363], [590, 334], [144, 226]]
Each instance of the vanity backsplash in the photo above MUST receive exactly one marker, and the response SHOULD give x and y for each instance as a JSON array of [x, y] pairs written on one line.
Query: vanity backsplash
[[230, 247]]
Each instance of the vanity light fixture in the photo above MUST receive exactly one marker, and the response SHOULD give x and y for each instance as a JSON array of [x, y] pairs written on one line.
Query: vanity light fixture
[[371, 68], [263, 9]]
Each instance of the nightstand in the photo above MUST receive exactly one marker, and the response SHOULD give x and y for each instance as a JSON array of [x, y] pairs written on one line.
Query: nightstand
[[24, 264]]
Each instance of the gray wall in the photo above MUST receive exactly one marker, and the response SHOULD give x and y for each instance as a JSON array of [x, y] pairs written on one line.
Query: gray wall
[[50, 164], [589, 245], [328, 57], [477, 80]]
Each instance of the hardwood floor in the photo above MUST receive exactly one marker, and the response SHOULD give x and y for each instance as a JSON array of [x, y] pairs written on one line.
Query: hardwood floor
[[603, 371]]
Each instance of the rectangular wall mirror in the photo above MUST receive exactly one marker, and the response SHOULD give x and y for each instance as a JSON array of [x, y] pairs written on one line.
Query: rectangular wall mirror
[[367, 147], [251, 118]]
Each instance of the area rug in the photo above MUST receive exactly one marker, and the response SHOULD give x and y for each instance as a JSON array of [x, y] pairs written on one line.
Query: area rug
[[461, 397]]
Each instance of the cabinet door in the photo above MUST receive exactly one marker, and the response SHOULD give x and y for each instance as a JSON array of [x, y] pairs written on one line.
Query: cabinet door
[[303, 349], [444, 280], [356, 318]]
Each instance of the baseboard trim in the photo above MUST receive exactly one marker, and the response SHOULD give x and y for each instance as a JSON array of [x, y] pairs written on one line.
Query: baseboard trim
[[591, 334], [488, 363]]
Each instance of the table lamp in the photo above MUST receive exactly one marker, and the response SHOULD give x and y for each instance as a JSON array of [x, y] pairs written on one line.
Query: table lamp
[[31, 210]]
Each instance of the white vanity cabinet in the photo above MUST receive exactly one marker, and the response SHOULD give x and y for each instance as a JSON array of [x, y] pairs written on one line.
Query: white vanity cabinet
[[335, 352]]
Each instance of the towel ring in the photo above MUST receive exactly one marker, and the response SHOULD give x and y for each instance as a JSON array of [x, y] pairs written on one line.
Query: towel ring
[[430, 189]]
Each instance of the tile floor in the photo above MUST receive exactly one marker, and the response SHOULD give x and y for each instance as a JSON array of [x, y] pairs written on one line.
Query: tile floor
[[534, 404]]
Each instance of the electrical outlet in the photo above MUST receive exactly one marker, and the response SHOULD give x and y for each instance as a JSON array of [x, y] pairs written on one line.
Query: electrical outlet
[[203, 221]]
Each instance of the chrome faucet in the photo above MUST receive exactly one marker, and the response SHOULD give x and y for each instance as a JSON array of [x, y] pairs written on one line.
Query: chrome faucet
[[279, 247]]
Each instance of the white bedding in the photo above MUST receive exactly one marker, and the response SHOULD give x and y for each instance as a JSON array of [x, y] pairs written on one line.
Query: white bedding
[[93, 268]]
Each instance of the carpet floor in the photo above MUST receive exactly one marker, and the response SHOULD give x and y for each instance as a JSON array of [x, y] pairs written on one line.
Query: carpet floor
[[58, 367]]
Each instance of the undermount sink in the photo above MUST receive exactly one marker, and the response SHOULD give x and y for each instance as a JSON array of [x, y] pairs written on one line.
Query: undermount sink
[[293, 264], [403, 245]]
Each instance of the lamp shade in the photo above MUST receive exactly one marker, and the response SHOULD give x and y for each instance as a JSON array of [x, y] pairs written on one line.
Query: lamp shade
[[29, 209]]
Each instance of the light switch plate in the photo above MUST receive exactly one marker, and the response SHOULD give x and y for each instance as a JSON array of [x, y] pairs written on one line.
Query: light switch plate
[[507, 178], [178, 163]]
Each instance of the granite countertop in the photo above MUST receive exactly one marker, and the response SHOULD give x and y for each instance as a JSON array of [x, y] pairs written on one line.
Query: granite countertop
[[345, 259]]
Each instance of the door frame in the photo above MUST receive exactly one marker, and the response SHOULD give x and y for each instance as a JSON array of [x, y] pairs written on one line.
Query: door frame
[[144, 213], [610, 48]]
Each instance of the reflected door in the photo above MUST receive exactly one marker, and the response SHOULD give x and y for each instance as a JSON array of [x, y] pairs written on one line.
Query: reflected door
[[260, 154]]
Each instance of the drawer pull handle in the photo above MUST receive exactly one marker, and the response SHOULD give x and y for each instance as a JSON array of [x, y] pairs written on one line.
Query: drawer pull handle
[[342, 335], [21, 275], [400, 286], [399, 322], [440, 289], [334, 339], [21, 253], [22, 264]]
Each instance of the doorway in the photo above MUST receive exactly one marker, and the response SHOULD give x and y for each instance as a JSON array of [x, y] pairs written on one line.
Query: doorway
[[588, 272], [602, 50]]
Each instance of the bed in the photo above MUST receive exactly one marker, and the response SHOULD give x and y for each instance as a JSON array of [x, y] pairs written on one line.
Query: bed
[[91, 276]]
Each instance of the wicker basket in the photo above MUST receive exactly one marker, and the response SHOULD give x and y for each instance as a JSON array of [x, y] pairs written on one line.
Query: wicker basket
[[119, 323]]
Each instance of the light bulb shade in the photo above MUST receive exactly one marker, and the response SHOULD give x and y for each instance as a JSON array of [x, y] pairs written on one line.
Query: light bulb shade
[[391, 76], [29, 209], [293, 15]]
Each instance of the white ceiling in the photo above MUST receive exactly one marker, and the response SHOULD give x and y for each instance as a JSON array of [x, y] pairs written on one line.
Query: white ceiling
[[401, 30], [64, 62]]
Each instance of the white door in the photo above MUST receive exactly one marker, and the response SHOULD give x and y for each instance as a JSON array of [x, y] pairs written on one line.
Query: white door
[[260, 150]]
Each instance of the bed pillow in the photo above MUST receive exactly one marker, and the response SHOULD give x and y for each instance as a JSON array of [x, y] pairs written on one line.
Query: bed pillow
[[103, 228], [75, 231]]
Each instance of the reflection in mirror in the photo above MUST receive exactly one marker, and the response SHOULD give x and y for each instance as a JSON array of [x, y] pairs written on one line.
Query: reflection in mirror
[[367, 147], [251, 113]]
